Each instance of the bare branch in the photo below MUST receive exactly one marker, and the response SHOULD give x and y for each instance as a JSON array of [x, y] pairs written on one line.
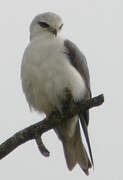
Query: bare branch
[[41, 146], [35, 131]]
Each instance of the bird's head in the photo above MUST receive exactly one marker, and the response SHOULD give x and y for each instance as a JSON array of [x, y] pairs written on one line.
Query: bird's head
[[46, 24]]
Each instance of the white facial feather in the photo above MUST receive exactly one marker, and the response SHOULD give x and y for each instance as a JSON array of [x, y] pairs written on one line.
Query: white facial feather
[[46, 71], [50, 18]]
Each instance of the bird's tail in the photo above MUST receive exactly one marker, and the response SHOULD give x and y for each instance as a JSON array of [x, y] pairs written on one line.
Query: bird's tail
[[75, 152]]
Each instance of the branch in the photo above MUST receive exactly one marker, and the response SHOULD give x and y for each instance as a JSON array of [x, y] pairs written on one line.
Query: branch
[[35, 131]]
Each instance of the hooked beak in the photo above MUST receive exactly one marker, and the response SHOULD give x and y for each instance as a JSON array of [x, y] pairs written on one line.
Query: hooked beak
[[54, 31]]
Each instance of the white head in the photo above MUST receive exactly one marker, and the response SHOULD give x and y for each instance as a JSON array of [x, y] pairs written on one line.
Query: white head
[[46, 24]]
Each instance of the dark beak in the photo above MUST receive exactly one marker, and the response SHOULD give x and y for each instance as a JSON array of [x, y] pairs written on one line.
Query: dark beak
[[54, 32]]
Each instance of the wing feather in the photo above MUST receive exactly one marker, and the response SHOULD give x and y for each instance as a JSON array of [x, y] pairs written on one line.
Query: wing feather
[[78, 60]]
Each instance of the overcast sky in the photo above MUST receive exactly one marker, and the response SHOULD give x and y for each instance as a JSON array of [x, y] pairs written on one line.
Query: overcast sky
[[97, 28]]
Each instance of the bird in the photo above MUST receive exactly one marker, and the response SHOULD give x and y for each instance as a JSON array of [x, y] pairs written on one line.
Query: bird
[[52, 64]]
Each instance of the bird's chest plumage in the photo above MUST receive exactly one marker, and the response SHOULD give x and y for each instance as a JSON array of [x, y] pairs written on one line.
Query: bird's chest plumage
[[46, 73]]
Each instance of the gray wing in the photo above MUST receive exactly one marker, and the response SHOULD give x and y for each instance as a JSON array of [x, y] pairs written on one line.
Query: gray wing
[[78, 60]]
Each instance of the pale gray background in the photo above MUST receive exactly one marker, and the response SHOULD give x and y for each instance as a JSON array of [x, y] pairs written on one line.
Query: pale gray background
[[96, 26]]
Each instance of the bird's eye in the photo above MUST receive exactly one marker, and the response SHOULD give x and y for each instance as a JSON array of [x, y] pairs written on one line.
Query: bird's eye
[[43, 24], [60, 27]]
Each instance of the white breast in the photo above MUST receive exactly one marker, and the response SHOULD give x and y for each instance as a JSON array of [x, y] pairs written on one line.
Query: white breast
[[46, 73]]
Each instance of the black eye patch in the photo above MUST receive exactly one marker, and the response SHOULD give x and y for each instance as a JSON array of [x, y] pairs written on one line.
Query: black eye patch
[[43, 24]]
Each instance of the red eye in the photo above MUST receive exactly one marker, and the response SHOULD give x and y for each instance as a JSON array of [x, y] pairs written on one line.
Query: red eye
[[43, 24]]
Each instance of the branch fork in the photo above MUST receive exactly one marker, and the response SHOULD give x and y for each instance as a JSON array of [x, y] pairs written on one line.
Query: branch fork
[[35, 131]]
